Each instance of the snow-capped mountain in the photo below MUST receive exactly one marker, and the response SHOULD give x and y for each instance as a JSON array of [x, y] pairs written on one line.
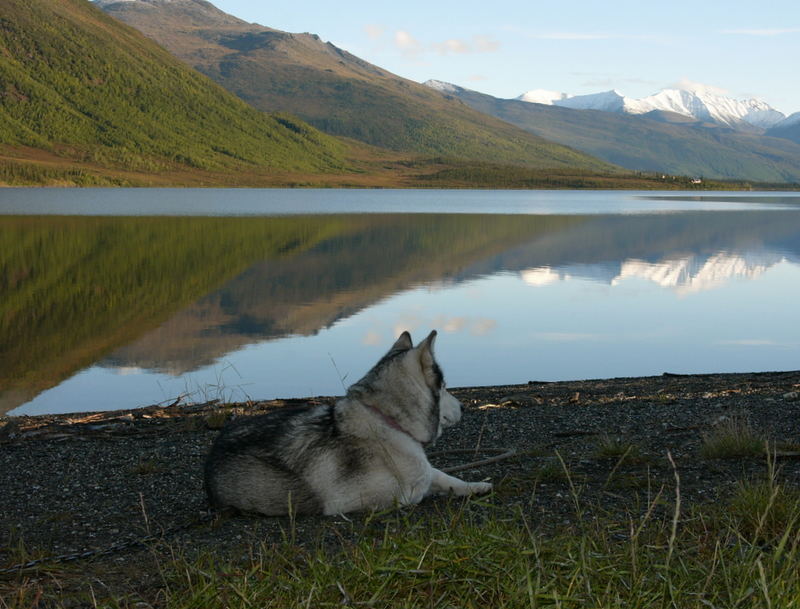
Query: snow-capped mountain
[[684, 274], [695, 274], [703, 105]]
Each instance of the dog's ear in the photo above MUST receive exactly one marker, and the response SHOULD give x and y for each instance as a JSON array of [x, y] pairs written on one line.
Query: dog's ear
[[430, 369], [428, 342], [425, 349], [404, 343]]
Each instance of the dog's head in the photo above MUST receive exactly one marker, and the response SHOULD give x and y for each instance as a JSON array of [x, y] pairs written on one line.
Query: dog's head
[[407, 385]]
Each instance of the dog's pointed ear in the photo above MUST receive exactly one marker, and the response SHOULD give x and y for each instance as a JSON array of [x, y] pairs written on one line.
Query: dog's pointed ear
[[425, 349], [428, 342], [431, 371], [403, 343]]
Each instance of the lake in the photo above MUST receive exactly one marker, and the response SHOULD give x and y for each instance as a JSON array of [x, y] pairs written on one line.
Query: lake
[[118, 298]]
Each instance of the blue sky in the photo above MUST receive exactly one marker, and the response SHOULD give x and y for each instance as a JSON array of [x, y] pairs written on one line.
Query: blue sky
[[504, 48]]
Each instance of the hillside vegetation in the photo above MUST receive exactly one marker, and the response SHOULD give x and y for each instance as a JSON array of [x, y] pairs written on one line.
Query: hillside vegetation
[[82, 86], [336, 91]]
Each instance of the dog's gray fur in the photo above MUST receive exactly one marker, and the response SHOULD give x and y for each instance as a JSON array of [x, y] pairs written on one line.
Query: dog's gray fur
[[365, 451]]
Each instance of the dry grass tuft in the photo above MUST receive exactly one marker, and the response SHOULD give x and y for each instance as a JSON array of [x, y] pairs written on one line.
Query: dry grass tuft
[[732, 437]]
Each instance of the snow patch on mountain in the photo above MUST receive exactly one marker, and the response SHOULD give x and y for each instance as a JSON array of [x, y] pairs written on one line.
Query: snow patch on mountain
[[607, 101], [703, 104], [708, 106], [444, 87], [543, 96]]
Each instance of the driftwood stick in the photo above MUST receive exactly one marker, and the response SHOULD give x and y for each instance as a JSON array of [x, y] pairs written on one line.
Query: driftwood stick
[[506, 453], [464, 451]]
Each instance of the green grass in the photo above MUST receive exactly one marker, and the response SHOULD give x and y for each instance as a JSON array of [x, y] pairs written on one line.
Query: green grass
[[30, 174], [469, 555], [465, 174], [78, 83], [614, 447]]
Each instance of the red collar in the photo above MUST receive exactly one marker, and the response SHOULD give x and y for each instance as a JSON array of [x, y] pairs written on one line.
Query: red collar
[[390, 421]]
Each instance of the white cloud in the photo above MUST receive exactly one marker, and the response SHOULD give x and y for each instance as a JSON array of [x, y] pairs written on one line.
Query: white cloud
[[374, 31], [570, 36], [452, 46], [581, 36], [409, 45], [482, 327], [127, 370], [372, 338], [749, 342], [476, 326], [484, 44], [454, 324], [567, 337], [541, 276], [764, 31], [406, 324]]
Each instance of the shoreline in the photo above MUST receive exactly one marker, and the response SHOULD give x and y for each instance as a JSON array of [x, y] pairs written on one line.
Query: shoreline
[[76, 482], [9, 423], [289, 185]]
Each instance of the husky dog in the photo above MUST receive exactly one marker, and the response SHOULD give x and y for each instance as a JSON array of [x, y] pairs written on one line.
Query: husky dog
[[365, 451]]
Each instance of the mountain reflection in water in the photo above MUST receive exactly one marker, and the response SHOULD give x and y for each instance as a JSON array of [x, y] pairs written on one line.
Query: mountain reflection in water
[[172, 295]]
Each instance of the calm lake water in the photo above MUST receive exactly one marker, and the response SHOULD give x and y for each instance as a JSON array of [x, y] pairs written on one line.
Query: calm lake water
[[117, 298]]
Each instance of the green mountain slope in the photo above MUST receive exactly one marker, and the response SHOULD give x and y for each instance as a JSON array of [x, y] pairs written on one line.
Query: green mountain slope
[[658, 142], [334, 90], [77, 82], [789, 132]]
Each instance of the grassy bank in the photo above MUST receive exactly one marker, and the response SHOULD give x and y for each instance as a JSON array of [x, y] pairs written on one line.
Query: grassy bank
[[744, 552], [366, 168], [745, 555]]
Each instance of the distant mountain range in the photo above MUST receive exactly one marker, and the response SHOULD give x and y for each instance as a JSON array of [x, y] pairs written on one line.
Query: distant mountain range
[[699, 104], [85, 99], [788, 129], [334, 90], [704, 106], [675, 132]]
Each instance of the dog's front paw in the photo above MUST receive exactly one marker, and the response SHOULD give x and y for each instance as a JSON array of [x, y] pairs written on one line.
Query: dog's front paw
[[479, 488]]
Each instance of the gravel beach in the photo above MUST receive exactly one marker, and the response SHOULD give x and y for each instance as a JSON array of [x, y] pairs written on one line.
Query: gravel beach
[[79, 482]]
